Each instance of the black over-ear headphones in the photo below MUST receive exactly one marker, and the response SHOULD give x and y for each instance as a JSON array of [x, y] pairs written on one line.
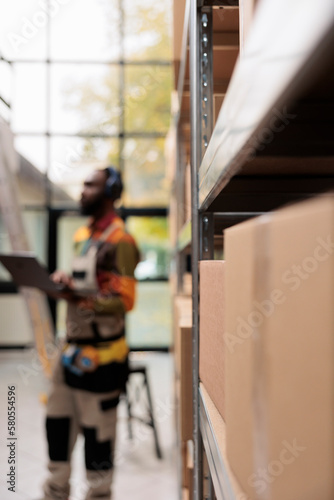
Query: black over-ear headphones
[[114, 184]]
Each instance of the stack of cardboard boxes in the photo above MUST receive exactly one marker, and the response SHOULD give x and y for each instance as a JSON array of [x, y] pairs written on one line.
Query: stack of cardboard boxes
[[267, 350], [212, 349], [183, 387]]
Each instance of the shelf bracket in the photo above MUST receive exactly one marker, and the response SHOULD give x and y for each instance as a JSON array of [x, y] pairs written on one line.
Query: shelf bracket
[[206, 76], [207, 236]]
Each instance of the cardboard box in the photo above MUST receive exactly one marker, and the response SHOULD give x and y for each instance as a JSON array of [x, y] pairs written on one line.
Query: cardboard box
[[186, 399], [183, 364], [239, 255], [182, 318], [183, 307], [172, 281], [184, 472], [178, 24], [187, 465], [187, 193], [185, 494], [211, 340], [280, 352], [187, 284]]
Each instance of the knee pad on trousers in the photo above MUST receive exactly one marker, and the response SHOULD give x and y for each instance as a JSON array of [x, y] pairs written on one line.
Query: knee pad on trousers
[[98, 455], [58, 435]]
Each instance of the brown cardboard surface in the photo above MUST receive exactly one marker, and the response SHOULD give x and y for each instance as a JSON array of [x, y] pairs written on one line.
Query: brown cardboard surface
[[185, 479], [187, 468], [280, 368], [187, 193], [211, 350], [239, 279], [185, 494], [187, 284], [172, 282], [178, 11], [183, 308], [186, 399], [182, 318], [183, 363]]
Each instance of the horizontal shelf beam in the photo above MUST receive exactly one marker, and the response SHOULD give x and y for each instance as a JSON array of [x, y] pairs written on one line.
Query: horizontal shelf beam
[[143, 212], [271, 73], [218, 3], [223, 220], [218, 471], [264, 193]]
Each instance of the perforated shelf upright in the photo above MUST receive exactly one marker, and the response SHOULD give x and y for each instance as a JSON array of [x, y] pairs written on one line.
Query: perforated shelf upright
[[270, 144]]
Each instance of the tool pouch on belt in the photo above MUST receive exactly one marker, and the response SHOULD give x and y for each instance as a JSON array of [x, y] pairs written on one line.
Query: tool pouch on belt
[[80, 360]]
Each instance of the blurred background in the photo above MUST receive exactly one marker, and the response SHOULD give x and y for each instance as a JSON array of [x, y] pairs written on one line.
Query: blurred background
[[83, 85]]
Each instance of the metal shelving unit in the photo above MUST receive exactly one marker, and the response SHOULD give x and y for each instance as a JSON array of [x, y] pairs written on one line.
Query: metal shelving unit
[[259, 111], [220, 476], [271, 144]]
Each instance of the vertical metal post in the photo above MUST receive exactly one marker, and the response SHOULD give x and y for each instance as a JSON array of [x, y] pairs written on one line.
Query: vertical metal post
[[208, 492], [180, 197], [53, 216], [195, 118], [206, 237], [206, 73]]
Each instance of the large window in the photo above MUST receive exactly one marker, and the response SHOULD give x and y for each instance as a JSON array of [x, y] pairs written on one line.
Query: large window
[[90, 84], [149, 324], [85, 84]]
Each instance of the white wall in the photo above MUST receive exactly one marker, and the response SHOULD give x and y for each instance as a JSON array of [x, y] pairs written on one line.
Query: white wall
[[15, 323]]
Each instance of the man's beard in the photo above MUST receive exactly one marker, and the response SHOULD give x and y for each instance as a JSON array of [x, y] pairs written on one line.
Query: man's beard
[[91, 208]]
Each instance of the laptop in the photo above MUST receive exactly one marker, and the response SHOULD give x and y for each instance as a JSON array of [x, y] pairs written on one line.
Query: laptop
[[27, 271]]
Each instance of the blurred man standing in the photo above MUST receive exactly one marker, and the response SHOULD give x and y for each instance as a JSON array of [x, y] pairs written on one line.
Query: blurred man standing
[[93, 365]]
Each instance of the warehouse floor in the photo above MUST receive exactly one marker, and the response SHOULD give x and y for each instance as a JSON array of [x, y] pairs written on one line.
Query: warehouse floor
[[138, 473]]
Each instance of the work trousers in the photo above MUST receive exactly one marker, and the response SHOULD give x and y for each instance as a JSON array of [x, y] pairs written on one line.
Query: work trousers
[[70, 411]]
